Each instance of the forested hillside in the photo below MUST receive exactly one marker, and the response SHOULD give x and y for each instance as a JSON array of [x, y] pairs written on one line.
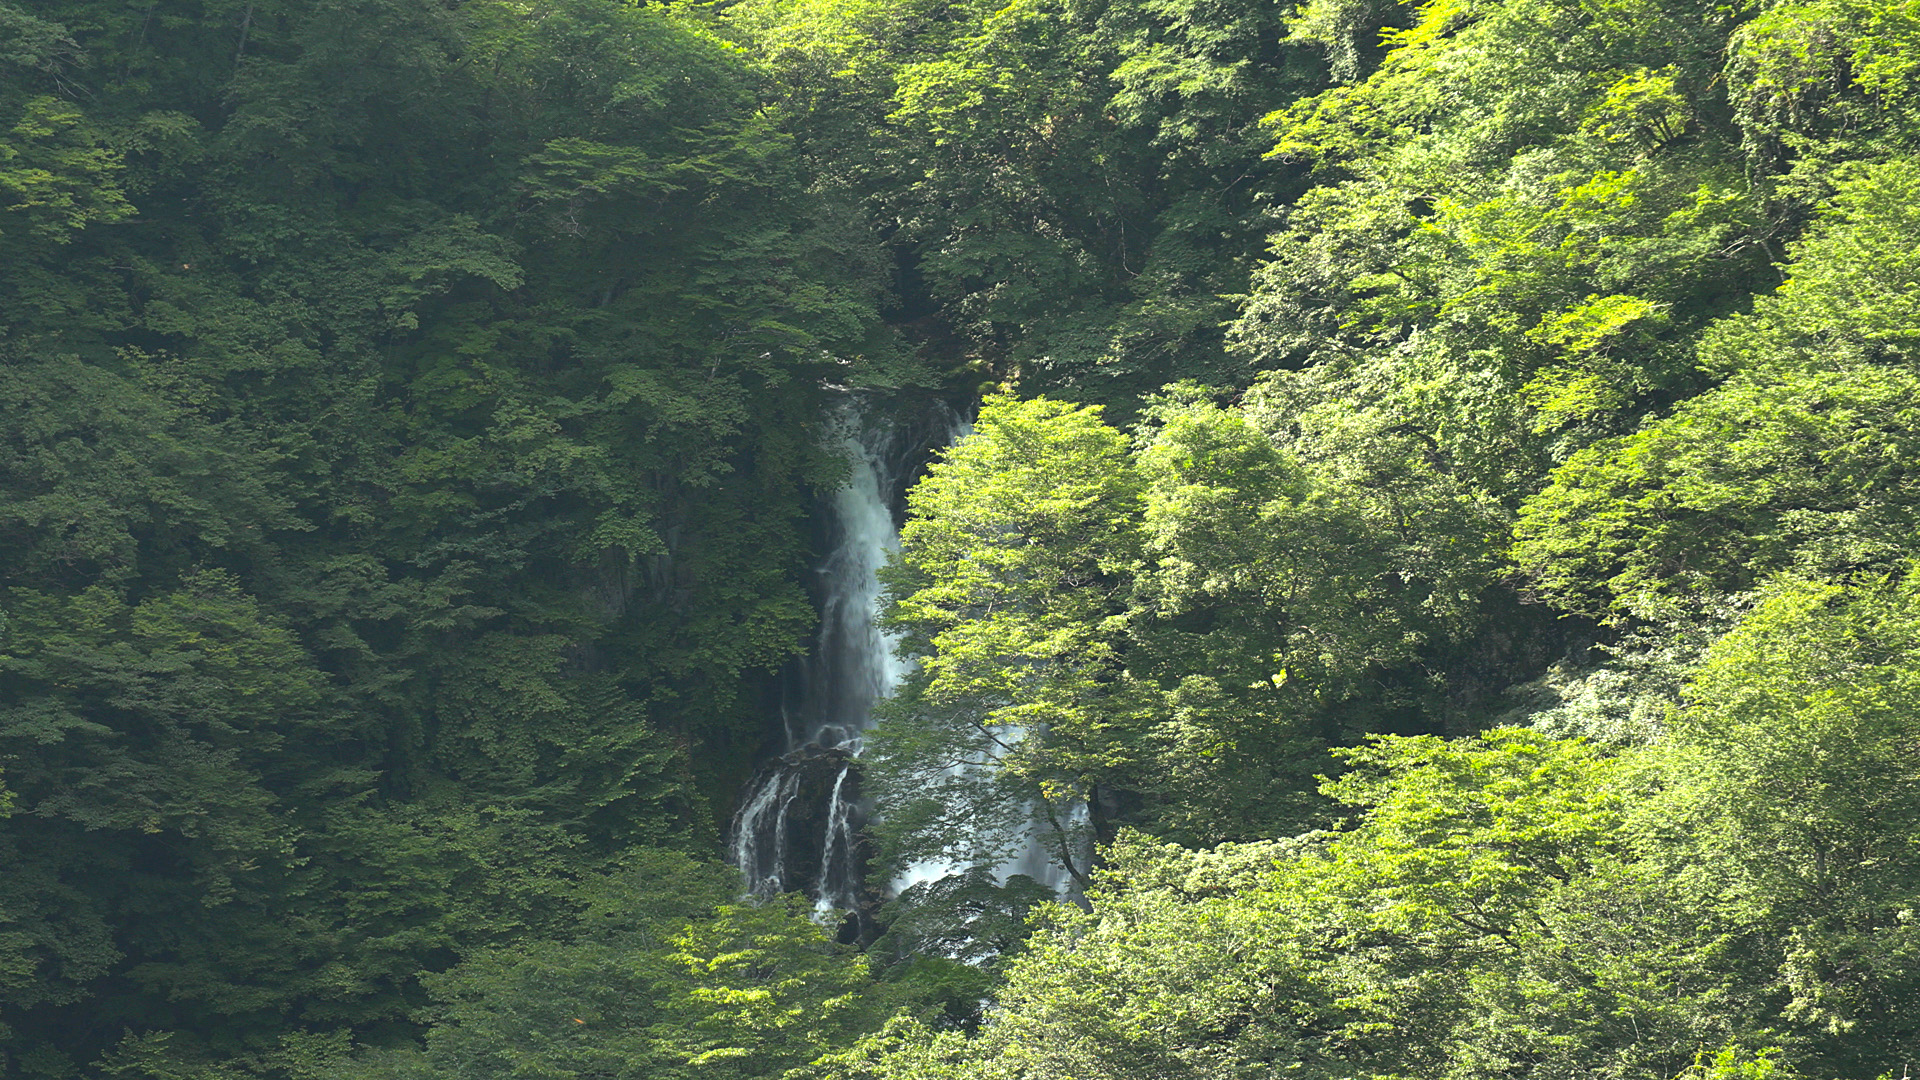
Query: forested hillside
[[1437, 545]]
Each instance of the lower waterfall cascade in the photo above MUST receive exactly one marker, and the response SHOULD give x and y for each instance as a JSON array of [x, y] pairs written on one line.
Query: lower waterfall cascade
[[799, 822]]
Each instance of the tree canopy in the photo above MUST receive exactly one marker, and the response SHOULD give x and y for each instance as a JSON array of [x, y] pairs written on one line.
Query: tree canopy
[[1433, 558]]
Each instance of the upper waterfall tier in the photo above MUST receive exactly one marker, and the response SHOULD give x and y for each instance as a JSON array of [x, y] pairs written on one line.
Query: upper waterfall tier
[[853, 664]]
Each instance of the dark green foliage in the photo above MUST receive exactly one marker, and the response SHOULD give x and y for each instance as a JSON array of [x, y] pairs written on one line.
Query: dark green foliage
[[1071, 186], [660, 978], [406, 427]]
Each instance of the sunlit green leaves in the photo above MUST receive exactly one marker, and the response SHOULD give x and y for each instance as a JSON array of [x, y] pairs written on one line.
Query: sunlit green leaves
[[1792, 801], [1755, 477], [1850, 291], [56, 177], [1011, 586]]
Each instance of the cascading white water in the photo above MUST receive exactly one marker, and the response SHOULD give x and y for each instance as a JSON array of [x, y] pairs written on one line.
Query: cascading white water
[[758, 844], [836, 856], [855, 662], [799, 822], [798, 826]]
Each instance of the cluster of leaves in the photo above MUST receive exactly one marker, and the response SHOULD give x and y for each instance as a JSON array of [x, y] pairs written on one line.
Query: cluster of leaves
[[1515, 904], [1170, 633]]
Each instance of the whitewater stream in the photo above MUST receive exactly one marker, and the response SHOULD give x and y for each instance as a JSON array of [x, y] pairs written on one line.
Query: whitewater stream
[[798, 827]]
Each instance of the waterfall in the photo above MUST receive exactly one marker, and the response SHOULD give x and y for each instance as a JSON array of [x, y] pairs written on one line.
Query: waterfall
[[800, 819]]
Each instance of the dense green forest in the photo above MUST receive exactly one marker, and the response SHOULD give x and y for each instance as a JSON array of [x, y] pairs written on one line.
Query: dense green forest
[[1442, 513]]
